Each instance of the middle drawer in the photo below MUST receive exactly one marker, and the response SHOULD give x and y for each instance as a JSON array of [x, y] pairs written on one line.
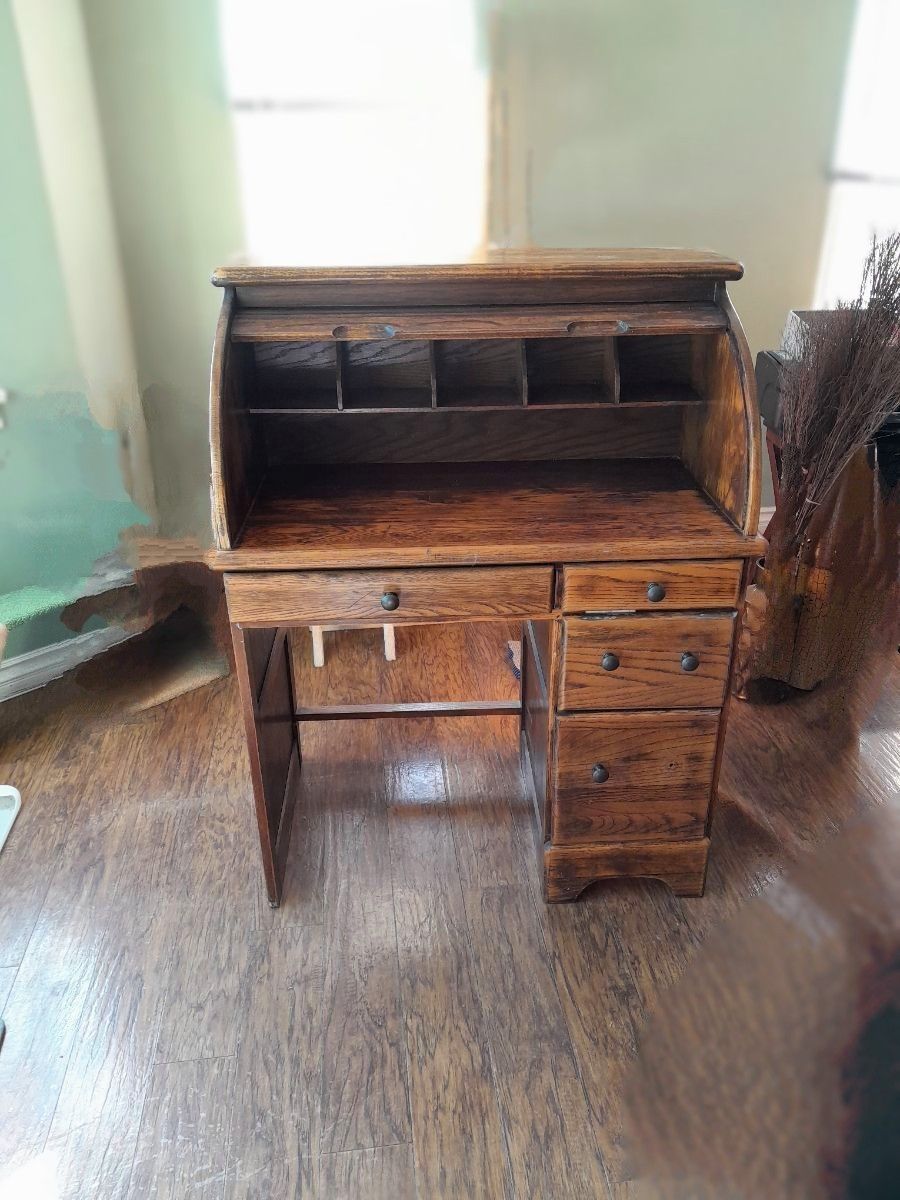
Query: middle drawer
[[646, 662]]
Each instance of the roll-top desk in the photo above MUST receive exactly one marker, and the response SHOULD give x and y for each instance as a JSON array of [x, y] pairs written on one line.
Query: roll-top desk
[[570, 441]]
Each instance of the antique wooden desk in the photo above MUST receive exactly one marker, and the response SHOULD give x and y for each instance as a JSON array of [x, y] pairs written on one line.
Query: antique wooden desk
[[569, 440]]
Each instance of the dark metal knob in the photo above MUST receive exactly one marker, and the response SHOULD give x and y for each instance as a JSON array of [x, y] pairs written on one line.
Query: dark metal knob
[[689, 662], [655, 593], [609, 661], [599, 773], [390, 601]]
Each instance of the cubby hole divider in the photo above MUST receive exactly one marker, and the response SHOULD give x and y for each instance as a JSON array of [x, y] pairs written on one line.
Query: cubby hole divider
[[470, 374]]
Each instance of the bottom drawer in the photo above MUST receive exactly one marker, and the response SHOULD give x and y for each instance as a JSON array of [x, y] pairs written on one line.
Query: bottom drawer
[[628, 776]]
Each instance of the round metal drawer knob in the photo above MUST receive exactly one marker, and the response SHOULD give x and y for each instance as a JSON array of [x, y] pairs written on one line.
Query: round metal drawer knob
[[655, 593], [689, 662], [390, 601], [599, 773], [609, 661]]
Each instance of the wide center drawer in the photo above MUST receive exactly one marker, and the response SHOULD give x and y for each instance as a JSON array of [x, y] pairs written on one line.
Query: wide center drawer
[[384, 596], [646, 662], [631, 776], [633, 586]]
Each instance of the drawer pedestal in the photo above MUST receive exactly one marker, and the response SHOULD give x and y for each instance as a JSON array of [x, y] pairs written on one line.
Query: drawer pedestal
[[623, 721]]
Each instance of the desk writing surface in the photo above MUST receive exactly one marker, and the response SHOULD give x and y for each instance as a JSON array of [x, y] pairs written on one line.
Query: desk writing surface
[[457, 513]]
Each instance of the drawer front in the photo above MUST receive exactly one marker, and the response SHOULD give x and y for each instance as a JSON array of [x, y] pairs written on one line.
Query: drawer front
[[646, 662], [626, 587], [386, 596], [630, 776]]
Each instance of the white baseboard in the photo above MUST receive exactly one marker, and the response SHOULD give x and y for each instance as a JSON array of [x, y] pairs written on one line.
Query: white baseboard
[[32, 670]]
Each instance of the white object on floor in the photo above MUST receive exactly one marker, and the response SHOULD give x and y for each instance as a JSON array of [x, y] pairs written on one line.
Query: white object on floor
[[318, 641], [10, 803]]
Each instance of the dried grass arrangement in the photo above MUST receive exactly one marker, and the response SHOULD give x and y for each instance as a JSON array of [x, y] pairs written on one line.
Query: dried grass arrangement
[[830, 574]]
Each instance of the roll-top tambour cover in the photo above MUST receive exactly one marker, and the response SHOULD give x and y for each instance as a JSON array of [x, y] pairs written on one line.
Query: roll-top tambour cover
[[534, 407]]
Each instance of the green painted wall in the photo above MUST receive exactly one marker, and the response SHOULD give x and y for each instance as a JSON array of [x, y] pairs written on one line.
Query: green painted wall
[[62, 503], [168, 137]]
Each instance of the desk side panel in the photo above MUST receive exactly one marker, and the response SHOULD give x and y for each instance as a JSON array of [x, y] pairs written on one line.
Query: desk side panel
[[721, 441], [236, 450]]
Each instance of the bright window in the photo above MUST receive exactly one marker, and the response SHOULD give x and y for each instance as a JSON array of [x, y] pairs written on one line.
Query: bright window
[[865, 188], [361, 129]]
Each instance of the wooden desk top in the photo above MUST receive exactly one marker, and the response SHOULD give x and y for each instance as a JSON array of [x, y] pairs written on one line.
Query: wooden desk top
[[463, 514], [535, 264]]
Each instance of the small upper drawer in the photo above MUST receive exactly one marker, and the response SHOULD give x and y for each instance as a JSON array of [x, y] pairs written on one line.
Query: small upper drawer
[[383, 596], [672, 661], [624, 587]]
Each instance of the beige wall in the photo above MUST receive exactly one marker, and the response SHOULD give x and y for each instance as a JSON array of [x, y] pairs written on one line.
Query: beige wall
[[168, 137], [704, 123]]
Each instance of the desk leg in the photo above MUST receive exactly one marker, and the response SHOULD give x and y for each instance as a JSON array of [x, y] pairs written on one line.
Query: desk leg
[[263, 665]]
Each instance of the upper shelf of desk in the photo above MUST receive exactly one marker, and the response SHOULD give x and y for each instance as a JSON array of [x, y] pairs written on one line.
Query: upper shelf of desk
[[546, 356]]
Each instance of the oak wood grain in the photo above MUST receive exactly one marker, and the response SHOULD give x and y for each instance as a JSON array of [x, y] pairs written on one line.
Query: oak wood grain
[[292, 325], [532, 276], [367, 712], [459, 514], [365, 1100], [536, 718], [277, 1073], [722, 448], [680, 864], [623, 586], [649, 652], [546, 1118], [660, 767], [304, 598], [235, 447], [512, 433], [95, 972], [456, 1126], [268, 704], [184, 1128], [383, 1173]]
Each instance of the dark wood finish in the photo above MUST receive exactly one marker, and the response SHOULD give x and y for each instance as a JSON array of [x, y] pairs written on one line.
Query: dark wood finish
[[535, 321], [296, 375], [568, 870], [310, 597], [615, 587], [505, 277], [236, 463], [437, 708], [136, 832], [478, 373], [386, 374], [534, 434], [460, 514], [536, 716], [268, 702], [560, 372], [650, 671], [722, 448], [660, 774]]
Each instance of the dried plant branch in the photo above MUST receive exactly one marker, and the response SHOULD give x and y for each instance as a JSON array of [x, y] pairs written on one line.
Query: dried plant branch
[[842, 387]]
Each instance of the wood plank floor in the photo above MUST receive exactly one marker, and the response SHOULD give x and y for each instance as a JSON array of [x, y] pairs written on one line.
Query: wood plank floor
[[413, 1021]]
